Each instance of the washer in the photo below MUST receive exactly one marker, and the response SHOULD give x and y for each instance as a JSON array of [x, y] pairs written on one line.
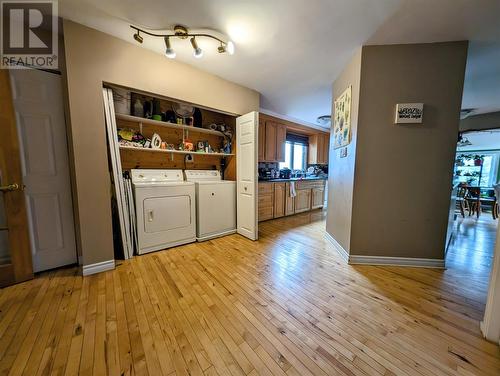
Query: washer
[[215, 204], [165, 209]]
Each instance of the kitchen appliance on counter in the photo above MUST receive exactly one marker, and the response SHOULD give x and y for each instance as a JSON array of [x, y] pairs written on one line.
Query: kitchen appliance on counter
[[285, 173]]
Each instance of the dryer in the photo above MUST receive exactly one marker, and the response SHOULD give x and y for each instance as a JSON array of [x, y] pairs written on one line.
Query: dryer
[[165, 209], [215, 204]]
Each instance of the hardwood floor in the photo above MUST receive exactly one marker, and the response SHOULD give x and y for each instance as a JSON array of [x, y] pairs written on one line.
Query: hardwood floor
[[285, 305]]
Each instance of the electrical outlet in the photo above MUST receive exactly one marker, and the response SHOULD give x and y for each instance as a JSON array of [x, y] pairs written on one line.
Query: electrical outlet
[[189, 158]]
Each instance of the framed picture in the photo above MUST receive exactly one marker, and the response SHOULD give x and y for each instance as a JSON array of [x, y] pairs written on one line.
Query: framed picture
[[342, 119]]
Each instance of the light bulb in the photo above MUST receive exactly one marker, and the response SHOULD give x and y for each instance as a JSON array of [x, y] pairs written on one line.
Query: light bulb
[[138, 37], [230, 47], [198, 52], [169, 52]]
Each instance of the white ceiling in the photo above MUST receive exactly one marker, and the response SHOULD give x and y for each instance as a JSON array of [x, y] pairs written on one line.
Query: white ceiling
[[482, 140], [292, 50]]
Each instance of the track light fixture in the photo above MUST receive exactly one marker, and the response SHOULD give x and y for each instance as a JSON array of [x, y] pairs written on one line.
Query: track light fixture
[[138, 37], [197, 51], [169, 51], [182, 32]]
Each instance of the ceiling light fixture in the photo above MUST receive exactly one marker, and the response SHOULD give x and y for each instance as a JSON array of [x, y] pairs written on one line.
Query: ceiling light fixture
[[197, 51], [183, 33], [169, 51], [138, 37]]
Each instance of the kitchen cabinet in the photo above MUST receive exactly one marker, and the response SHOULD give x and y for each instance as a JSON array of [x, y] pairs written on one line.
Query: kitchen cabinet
[[319, 147], [303, 200], [272, 139], [275, 200], [289, 201], [279, 200], [262, 139], [266, 201], [318, 197], [280, 142]]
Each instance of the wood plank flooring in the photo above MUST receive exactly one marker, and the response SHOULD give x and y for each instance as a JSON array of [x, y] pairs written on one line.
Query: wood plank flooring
[[285, 305]]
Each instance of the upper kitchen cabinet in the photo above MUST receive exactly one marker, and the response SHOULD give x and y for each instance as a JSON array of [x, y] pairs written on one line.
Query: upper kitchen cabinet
[[319, 146], [272, 138]]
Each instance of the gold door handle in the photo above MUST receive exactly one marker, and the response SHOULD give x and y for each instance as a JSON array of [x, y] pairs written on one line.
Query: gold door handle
[[10, 187]]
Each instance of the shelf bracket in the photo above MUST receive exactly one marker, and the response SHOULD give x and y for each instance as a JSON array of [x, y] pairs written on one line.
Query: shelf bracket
[[172, 157], [140, 127]]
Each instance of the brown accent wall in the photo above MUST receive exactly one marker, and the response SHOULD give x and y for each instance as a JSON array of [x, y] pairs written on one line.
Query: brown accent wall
[[92, 58], [403, 173], [341, 170]]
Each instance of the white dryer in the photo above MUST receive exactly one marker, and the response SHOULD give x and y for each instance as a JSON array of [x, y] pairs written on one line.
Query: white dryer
[[215, 204], [165, 209]]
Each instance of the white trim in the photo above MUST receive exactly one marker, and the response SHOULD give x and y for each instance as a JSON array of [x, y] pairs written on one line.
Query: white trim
[[98, 267], [381, 260], [396, 261], [342, 252], [294, 120]]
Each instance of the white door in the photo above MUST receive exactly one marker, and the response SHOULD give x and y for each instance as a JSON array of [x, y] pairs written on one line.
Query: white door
[[247, 128], [38, 106]]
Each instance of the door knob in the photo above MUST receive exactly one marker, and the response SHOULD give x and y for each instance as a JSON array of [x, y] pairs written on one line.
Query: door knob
[[10, 187]]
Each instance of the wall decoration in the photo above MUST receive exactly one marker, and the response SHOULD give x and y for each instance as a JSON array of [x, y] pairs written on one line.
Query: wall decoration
[[342, 119], [408, 113]]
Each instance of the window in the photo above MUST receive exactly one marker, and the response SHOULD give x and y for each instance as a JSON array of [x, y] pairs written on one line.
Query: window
[[295, 152], [469, 170]]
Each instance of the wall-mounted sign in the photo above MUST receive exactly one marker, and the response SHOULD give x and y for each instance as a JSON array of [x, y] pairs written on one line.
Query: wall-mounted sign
[[409, 113]]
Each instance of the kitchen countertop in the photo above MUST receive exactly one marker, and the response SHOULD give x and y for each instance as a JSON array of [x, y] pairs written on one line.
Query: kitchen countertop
[[294, 179]]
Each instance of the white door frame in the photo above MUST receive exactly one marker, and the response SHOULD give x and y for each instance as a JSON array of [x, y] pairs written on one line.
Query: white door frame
[[490, 326]]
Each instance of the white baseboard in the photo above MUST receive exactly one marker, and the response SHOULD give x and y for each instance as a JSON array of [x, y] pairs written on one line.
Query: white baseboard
[[342, 252], [396, 261], [98, 267], [382, 260]]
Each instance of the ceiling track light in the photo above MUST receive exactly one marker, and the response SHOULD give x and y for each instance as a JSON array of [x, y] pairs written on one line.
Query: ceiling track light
[[197, 51], [182, 32], [169, 51], [137, 37]]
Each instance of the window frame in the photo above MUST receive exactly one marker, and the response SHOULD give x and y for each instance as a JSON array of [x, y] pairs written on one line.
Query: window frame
[[292, 144]]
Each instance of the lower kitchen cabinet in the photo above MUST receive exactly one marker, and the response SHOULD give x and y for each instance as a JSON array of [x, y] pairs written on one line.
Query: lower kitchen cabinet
[[318, 198], [275, 200], [279, 199], [303, 200], [289, 201]]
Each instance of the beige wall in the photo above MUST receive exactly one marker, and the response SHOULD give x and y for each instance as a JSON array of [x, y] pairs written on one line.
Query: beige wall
[[481, 121], [92, 58], [403, 173], [341, 172]]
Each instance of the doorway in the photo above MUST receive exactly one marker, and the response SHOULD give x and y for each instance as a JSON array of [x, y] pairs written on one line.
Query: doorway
[[475, 222]]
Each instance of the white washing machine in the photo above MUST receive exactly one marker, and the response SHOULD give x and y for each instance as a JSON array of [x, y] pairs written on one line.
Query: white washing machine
[[165, 209], [215, 204]]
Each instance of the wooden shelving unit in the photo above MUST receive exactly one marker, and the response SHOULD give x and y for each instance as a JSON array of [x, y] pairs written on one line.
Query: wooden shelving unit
[[124, 147], [144, 121]]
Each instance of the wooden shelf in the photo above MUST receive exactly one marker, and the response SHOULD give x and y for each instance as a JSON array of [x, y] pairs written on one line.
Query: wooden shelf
[[144, 121], [123, 147]]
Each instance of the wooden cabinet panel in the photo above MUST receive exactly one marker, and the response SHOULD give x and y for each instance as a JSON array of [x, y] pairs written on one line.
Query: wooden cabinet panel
[[266, 208], [318, 198], [262, 140], [326, 148], [279, 200], [303, 200], [318, 148], [280, 142], [266, 188], [289, 201], [266, 201], [270, 142]]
